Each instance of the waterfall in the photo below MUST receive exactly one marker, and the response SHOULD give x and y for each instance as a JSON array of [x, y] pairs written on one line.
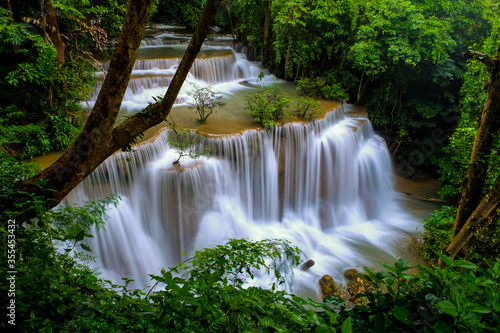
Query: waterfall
[[326, 186]]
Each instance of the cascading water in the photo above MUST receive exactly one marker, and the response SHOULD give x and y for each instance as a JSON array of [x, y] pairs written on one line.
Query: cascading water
[[326, 186]]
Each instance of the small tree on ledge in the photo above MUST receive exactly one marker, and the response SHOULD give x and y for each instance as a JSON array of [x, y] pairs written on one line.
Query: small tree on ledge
[[205, 102], [187, 144]]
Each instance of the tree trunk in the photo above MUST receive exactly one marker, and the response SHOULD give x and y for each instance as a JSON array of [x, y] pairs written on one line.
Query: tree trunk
[[481, 217], [9, 8], [52, 29], [266, 27], [287, 59], [478, 165], [99, 139], [488, 127], [361, 88]]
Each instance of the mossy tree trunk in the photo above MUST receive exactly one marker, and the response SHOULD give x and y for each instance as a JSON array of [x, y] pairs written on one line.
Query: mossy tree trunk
[[478, 166]]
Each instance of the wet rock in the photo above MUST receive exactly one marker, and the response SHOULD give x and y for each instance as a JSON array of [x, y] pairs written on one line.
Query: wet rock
[[329, 287], [308, 264], [356, 285]]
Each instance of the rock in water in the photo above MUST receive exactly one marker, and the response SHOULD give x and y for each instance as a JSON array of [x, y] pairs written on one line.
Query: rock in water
[[308, 264], [329, 287]]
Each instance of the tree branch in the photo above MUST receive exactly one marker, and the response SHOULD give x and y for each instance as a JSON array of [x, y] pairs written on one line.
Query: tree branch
[[484, 58]]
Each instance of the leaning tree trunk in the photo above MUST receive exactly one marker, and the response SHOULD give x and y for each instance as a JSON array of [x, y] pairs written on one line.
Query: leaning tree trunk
[[99, 139], [478, 165], [482, 217]]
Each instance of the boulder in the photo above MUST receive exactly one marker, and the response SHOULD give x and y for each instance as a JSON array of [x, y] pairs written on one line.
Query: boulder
[[356, 285], [329, 287]]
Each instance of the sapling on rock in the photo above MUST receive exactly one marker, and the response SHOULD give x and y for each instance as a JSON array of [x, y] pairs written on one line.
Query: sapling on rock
[[206, 101], [187, 144]]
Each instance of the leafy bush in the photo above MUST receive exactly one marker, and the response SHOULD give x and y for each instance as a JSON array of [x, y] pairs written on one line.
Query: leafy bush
[[334, 92], [319, 87], [459, 298], [268, 105], [438, 229], [311, 87], [306, 107], [40, 102]]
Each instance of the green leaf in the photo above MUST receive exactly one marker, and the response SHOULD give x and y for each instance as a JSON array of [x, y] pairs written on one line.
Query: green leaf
[[464, 264], [401, 314], [298, 319], [446, 307], [85, 247], [474, 307], [346, 326], [445, 258], [401, 265]]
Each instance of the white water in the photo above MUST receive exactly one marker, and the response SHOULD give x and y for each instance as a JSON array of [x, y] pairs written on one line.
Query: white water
[[151, 77], [325, 186]]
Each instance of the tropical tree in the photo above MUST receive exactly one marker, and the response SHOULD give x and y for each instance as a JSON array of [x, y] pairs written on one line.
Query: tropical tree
[[472, 211]]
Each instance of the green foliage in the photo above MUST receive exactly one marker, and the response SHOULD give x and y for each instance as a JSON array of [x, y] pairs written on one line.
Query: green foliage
[[318, 87], [184, 13], [402, 60], [13, 204], [438, 229], [454, 160], [187, 144], [206, 101], [311, 87], [40, 105], [75, 15], [306, 107], [483, 247], [335, 92], [268, 105], [459, 298], [47, 271]]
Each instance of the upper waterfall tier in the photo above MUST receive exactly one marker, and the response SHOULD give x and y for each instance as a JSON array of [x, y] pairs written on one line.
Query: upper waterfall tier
[[156, 65]]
